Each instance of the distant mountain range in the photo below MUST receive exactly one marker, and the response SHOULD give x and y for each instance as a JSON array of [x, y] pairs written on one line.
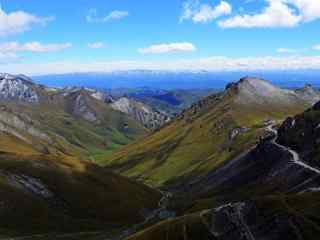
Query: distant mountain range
[[176, 80]]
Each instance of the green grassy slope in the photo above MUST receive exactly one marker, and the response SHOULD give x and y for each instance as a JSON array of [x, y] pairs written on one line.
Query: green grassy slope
[[70, 133], [199, 139]]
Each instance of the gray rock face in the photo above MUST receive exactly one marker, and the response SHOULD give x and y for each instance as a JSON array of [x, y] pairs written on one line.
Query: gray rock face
[[81, 108], [29, 184], [17, 88], [144, 114], [257, 91]]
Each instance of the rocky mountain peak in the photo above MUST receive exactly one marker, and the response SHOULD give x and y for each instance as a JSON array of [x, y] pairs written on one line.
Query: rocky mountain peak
[[254, 85], [17, 87], [258, 91]]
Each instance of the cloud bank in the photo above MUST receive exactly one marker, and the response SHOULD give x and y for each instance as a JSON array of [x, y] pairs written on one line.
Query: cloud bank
[[18, 22], [168, 48], [277, 13], [210, 64]]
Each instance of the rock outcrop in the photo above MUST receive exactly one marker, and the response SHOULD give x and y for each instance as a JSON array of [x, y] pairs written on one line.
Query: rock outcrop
[[18, 87], [148, 117]]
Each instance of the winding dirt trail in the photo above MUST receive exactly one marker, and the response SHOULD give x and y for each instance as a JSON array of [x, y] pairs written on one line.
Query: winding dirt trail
[[295, 156]]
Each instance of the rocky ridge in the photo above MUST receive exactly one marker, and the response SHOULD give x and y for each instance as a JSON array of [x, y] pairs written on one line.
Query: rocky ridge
[[251, 90], [150, 118], [18, 87]]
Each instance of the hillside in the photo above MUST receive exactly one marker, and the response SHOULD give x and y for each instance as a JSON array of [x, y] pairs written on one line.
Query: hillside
[[48, 194], [272, 218], [45, 187], [70, 121], [209, 133], [271, 192], [302, 133]]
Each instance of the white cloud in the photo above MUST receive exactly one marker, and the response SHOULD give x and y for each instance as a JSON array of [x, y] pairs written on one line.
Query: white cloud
[[93, 17], [96, 45], [316, 47], [36, 47], [19, 21], [309, 9], [169, 48], [278, 13], [210, 64], [203, 13], [286, 50]]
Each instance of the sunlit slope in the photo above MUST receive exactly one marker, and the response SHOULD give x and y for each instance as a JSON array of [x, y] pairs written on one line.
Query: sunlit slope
[[76, 125], [214, 130], [48, 194]]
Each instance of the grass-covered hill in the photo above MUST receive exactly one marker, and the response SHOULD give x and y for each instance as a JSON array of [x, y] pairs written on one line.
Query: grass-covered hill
[[41, 194], [46, 187], [209, 133], [272, 192], [63, 122]]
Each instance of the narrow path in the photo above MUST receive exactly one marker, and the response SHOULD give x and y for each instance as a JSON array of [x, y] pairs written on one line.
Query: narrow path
[[295, 156]]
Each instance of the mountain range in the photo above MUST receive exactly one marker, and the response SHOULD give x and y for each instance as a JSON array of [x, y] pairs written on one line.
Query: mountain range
[[171, 80], [269, 191], [210, 132], [81, 163], [76, 121]]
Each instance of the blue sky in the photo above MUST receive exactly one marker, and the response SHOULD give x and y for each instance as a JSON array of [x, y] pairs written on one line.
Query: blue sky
[[40, 37]]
